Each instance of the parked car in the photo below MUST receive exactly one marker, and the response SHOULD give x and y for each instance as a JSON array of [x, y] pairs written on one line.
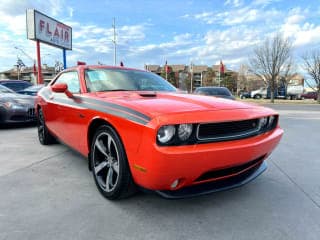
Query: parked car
[[15, 108], [15, 85], [137, 130], [259, 93], [289, 92], [244, 95], [221, 92], [310, 95], [32, 91]]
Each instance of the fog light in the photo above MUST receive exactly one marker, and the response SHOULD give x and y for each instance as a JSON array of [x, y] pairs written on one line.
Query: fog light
[[175, 183]]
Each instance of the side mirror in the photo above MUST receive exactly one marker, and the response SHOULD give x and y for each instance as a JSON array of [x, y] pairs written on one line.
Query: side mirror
[[61, 88]]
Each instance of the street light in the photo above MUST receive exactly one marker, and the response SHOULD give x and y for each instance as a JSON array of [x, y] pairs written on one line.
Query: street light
[[32, 59]]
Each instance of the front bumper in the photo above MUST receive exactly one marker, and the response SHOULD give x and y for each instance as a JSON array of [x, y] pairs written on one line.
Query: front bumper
[[26, 114], [156, 168], [215, 186]]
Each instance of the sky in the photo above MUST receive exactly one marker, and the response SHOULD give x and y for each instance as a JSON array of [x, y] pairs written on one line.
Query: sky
[[152, 32]]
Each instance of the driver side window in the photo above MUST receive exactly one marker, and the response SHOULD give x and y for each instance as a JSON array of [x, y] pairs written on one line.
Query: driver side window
[[71, 79]]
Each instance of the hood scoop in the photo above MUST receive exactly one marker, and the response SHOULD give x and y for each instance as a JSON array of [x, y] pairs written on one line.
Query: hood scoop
[[148, 94]]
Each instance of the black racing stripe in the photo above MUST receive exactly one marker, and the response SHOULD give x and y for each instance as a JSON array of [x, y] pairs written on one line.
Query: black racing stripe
[[113, 105], [101, 108]]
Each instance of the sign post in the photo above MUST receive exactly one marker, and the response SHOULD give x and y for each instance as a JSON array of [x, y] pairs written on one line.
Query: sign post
[[64, 59], [39, 78]]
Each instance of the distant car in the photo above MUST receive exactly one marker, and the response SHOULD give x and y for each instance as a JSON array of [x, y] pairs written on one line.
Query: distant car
[[15, 108], [221, 92], [244, 95], [32, 91], [15, 85], [259, 93], [310, 95]]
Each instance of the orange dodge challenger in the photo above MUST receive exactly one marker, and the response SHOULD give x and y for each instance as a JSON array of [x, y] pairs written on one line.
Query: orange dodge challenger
[[137, 130]]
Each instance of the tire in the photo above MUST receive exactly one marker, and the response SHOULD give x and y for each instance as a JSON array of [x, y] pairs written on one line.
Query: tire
[[258, 96], [44, 136], [110, 166]]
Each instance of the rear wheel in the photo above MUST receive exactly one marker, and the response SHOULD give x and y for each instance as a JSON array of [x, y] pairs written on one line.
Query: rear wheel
[[109, 164], [45, 138]]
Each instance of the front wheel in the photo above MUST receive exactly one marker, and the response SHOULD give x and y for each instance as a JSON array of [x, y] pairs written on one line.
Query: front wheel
[[109, 164]]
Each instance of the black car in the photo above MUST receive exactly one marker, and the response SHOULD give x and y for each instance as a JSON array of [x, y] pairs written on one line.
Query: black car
[[15, 85], [244, 95], [221, 92], [32, 91], [16, 108]]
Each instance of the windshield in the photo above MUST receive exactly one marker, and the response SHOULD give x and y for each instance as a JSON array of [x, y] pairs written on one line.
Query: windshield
[[99, 80], [5, 90]]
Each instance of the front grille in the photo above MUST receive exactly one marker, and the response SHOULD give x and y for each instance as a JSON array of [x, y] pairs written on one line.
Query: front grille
[[31, 113], [25, 117], [215, 174], [227, 130]]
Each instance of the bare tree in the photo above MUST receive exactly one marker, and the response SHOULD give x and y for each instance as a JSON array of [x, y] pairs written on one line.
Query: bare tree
[[242, 83], [271, 60], [312, 66]]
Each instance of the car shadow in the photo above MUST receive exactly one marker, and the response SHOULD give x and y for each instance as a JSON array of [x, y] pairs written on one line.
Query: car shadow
[[17, 125]]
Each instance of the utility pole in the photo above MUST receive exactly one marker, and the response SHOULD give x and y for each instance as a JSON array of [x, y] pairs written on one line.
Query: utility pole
[[114, 42]]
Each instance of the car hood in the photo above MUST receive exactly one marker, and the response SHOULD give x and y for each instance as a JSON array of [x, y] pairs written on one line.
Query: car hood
[[17, 98], [156, 104]]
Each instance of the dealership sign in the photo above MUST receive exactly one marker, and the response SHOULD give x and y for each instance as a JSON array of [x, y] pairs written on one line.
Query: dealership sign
[[48, 30]]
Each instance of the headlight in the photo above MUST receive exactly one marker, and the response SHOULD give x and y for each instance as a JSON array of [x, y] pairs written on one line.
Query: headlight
[[184, 131], [263, 122], [12, 105], [166, 133], [271, 121]]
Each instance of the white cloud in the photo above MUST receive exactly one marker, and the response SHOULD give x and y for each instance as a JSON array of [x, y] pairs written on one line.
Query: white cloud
[[234, 3], [236, 16], [263, 2], [298, 29], [70, 10]]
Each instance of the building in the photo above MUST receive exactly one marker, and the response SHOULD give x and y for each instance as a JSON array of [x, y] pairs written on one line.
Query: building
[[186, 77], [29, 74]]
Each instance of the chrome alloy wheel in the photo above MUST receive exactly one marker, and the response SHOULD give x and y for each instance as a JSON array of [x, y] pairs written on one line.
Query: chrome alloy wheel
[[106, 161]]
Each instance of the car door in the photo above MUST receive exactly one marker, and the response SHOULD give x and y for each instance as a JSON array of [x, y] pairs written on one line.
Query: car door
[[66, 111]]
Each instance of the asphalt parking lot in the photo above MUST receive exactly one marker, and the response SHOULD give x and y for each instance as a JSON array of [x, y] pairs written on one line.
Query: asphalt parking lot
[[47, 192]]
